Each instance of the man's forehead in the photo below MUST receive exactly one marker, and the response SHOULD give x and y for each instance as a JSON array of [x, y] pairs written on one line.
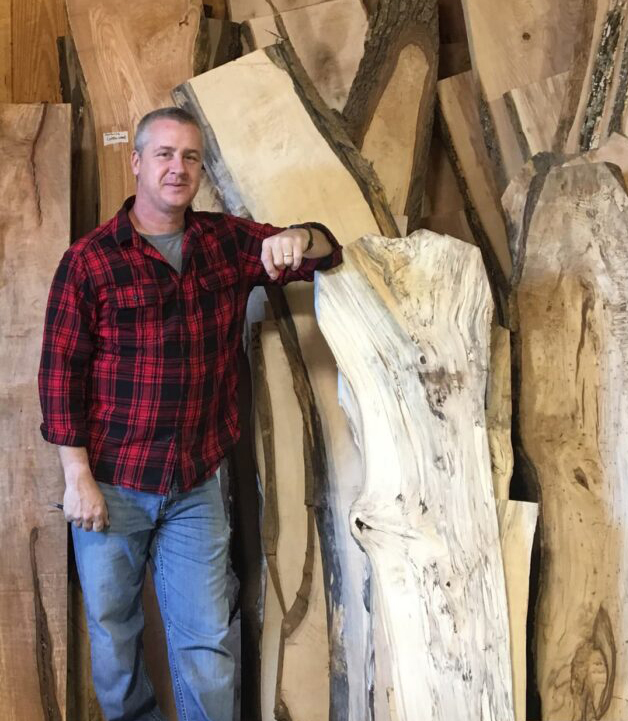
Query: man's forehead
[[171, 133]]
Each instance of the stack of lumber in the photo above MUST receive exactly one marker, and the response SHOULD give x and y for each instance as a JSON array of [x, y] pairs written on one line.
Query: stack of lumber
[[462, 374]]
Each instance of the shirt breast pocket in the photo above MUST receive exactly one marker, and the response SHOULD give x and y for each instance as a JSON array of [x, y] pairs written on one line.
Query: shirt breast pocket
[[218, 300], [138, 311]]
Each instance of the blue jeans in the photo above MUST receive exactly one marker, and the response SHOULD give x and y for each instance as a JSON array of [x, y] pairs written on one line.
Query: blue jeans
[[184, 537]]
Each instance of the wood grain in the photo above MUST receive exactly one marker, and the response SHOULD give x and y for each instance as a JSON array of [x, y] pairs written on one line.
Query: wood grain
[[570, 358], [35, 222], [519, 42], [414, 349], [132, 55], [327, 37]]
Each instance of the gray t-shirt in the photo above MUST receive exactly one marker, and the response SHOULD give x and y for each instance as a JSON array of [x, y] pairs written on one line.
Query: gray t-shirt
[[170, 246]]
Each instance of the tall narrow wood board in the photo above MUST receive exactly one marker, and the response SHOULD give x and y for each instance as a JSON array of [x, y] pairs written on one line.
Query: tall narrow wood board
[[570, 359], [35, 221]]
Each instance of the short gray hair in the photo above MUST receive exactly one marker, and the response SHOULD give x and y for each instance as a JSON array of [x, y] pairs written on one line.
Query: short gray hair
[[173, 113]]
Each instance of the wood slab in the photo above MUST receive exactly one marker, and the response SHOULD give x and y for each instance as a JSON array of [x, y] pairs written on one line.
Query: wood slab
[[570, 357], [131, 55], [278, 154], [595, 100], [462, 134], [389, 111], [426, 515], [519, 42], [241, 10], [35, 221], [327, 37]]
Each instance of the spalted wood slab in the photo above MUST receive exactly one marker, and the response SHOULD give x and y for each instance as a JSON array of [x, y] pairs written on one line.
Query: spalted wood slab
[[570, 360], [35, 221], [399, 318], [132, 55], [518, 42], [595, 99], [389, 110], [278, 154], [327, 37]]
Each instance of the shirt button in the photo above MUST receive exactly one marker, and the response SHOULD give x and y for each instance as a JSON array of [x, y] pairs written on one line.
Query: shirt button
[[170, 437]]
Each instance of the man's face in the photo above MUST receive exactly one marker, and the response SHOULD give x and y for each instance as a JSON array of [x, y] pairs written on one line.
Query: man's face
[[168, 171]]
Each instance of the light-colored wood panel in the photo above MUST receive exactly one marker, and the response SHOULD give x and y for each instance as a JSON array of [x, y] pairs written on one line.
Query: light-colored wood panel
[[6, 60], [519, 42], [329, 40], [35, 232], [241, 10]]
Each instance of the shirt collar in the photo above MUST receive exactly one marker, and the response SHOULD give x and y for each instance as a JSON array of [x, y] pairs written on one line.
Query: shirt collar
[[124, 232]]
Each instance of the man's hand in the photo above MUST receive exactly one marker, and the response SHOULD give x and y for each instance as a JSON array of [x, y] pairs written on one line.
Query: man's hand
[[284, 250], [83, 502]]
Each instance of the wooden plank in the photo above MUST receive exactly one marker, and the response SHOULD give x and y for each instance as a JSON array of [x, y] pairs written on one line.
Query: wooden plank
[[519, 42], [278, 154], [461, 130], [35, 27], [525, 121], [569, 357], [499, 411], [327, 37], [517, 525], [389, 111], [595, 101], [422, 435], [132, 55], [6, 60], [35, 220]]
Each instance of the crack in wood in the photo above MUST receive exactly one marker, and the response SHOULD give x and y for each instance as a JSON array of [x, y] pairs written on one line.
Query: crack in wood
[[43, 641], [33, 165]]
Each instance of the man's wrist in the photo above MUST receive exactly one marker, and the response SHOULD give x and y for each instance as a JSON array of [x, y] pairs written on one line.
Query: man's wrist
[[310, 236]]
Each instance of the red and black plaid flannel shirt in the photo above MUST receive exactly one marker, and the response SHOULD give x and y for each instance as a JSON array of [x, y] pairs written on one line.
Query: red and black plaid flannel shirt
[[138, 362]]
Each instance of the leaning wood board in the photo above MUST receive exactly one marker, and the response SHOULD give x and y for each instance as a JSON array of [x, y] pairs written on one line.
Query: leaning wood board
[[131, 54], [518, 42], [327, 37], [277, 154], [298, 689], [408, 320], [570, 356], [35, 220]]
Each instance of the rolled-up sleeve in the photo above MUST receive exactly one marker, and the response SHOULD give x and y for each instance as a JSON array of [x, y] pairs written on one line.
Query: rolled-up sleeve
[[250, 236], [66, 352]]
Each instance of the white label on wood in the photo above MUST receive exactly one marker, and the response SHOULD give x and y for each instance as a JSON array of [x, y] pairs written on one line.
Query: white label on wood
[[118, 136]]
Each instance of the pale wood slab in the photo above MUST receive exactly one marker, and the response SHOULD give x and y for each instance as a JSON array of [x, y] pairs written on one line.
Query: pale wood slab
[[35, 222], [517, 525], [241, 10], [132, 55], [277, 154], [461, 129], [519, 42], [327, 37], [570, 359], [499, 411], [426, 515]]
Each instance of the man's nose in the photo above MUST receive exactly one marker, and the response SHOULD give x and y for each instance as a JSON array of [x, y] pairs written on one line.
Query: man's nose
[[176, 164]]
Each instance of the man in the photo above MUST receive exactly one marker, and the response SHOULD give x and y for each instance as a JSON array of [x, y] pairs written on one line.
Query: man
[[138, 390]]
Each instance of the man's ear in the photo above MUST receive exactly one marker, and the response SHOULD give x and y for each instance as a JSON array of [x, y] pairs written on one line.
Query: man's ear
[[135, 162]]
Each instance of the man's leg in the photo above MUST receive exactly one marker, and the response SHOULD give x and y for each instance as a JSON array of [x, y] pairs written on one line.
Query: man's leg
[[189, 562], [111, 567]]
